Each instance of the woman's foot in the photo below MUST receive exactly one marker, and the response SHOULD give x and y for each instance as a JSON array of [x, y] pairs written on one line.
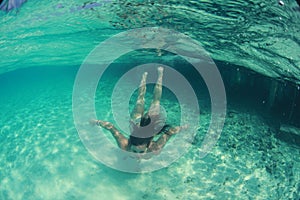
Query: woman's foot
[[160, 71]]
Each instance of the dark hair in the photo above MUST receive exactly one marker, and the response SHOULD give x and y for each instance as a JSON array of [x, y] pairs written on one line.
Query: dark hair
[[145, 120], [134, 140], [134, 137], [165, 128], [139, 141]]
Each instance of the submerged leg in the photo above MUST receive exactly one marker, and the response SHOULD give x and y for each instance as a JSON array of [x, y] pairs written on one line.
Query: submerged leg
[[155, 104], [138, 110], [119, 137]]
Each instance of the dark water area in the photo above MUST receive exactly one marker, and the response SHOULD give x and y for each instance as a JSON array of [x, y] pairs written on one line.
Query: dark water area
[[277, 101], [279, 98]]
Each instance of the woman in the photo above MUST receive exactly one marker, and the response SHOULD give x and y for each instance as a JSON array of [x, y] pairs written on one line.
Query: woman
[[144, 126]]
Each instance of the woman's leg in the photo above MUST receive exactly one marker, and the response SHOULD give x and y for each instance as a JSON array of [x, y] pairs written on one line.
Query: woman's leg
[[119, 137], [138, 110], [155, 104]]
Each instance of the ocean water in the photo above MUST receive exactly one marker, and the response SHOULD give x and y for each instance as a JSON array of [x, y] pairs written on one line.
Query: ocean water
[[255, 47]]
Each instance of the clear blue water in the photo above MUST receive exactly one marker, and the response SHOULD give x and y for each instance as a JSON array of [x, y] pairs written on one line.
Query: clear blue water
[[42, 156]]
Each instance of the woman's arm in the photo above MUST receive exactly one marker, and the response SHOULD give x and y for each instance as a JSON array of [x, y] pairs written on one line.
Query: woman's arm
[[119, 137], [156, 146]]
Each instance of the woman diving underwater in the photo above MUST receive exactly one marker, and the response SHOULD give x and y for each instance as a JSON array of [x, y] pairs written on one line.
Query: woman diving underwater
[[144, 126]]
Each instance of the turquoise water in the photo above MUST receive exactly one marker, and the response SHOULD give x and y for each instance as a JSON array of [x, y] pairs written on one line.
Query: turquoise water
[[42, 156]]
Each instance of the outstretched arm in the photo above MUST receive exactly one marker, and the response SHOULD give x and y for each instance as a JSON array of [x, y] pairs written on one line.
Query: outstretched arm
[[156, 146], [119, 137]]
